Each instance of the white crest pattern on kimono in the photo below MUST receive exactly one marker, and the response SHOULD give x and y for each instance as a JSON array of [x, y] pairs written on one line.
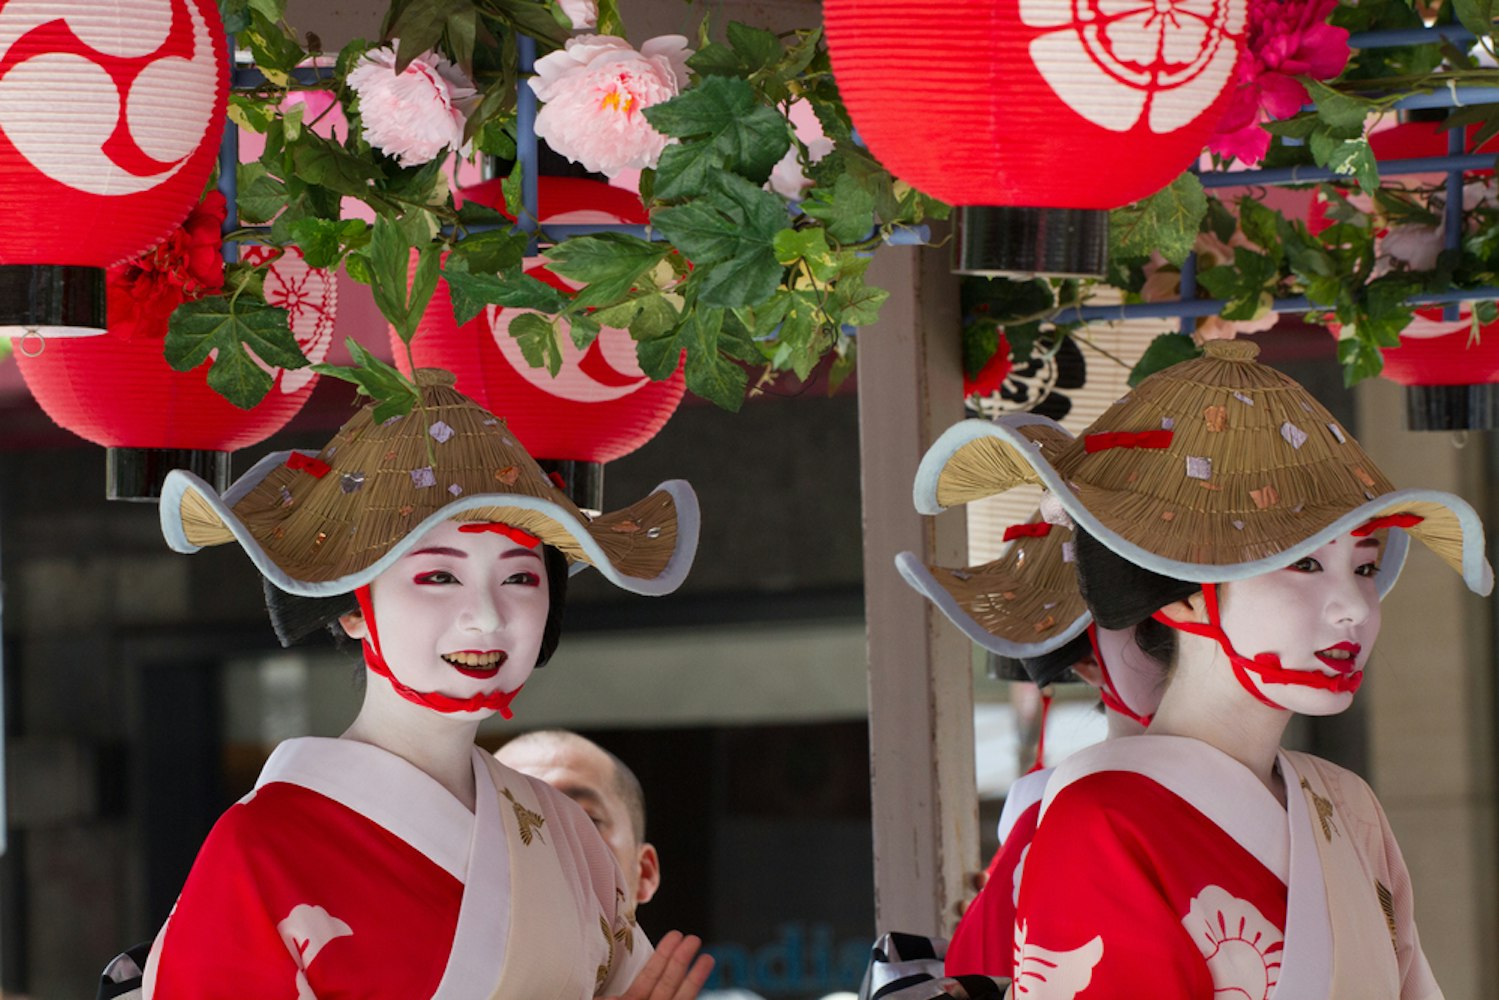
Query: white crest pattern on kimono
[[1015, 878], [1043, 974], [306, 930], [1241, 947]]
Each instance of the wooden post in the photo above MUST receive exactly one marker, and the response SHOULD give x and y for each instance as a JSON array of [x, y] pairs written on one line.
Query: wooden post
[[925, 807]]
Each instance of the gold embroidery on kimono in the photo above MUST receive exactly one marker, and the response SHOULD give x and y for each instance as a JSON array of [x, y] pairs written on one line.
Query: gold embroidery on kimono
[[529, 822]]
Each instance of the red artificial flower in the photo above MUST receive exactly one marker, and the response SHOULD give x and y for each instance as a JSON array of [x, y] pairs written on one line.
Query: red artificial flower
[[1286, 39], [992, 376], [185, 266]]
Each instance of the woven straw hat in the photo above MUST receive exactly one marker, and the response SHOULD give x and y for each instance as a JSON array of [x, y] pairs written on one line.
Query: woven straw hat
[[1216, 469], [1026, 603], [327, 525]]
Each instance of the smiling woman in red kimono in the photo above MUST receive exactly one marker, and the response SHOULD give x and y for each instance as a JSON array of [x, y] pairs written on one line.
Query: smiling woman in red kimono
[[1228, 518], [399, 860]]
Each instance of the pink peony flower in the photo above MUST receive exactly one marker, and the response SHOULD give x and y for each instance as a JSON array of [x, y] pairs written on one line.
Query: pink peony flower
[[582, 13], [415, 115], [594, 91], [786, 178], [1286, 39]]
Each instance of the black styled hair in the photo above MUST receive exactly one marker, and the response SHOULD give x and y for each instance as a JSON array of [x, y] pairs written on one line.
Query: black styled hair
[[294, 617], [1049, 668], [1119, 593]]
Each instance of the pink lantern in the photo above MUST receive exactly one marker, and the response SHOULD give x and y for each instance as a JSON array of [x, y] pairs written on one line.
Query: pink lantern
[[110, 117], [1035, 116], [600, 406]]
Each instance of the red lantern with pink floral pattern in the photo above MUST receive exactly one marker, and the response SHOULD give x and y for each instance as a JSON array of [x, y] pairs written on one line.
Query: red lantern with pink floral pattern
[[600, 406], [1035, 116], [110, 117], [118, 390]]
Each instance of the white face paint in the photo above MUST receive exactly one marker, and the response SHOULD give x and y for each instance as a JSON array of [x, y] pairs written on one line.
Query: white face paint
[[462, 613], [1319, 615]]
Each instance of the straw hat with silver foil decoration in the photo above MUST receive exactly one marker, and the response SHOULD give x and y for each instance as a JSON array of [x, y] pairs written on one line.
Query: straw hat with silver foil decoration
[[325, 525], [1025, 604], [1213, 470]]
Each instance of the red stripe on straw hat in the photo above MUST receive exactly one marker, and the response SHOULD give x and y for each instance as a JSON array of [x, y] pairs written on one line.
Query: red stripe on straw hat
[[314, 467], [1039, 529], [516, 535], [1127, 439], [1388, 521]]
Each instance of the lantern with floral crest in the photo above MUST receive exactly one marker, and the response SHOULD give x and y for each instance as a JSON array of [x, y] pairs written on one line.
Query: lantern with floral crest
[[1035, 116], [117, 390], [600, 406], [110, 117]]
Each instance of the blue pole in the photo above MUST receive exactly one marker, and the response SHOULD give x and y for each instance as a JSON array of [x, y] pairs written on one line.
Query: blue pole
[[1189, 289], [1394, 38], [1452, 234], [229, 171], [1313, 175], [525, 139], [1211, 307]]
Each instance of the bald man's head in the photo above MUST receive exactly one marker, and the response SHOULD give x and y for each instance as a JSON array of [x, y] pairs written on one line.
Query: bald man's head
[[604, 786]]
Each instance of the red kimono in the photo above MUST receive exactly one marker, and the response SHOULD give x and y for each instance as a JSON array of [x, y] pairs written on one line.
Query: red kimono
[[348, 872], [1164, 868], [982, 943]]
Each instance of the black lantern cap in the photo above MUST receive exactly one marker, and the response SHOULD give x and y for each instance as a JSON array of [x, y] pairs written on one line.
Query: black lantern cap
[[1452, 407], [52, 295], [583, 482], [136, 474], [993, 240]]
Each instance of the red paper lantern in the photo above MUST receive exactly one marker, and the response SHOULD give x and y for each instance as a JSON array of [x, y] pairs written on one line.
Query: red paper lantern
[[118, 391], [110, 117], [1451, 379], [1035, 116], [600, 406]]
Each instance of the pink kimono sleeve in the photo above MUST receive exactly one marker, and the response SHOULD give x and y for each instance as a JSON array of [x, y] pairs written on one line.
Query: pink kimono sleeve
[[1095, 919]]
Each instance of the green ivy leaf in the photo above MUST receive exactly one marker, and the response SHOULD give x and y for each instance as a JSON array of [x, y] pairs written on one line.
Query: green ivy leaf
[[708, 373], [470, 293], [1163, 352], [400, 301], [217, 323], [261, 196], [755, 47], [491, 251], [657, 316], [720, 118], [659, 356], [847, 210], [609, 265], [1343, 114], [1360, 360], [1354, 158], [1167, 221], [981, 339], [322, 240], [318, 161], [394, 394], [537, 337], [1476, 15], [858, 304]]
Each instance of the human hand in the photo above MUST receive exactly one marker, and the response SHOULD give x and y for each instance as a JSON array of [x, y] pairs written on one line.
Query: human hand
[[976, 881], [671, 973]]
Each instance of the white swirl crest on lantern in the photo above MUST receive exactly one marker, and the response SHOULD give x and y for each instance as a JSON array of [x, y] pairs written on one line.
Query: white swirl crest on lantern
[[1115, 61], [613, 353], [310, 297], [1242, 949], [167, 109]]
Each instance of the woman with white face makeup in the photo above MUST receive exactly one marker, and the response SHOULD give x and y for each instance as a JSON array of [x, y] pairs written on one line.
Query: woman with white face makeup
[[400, 860], [1228, 519]]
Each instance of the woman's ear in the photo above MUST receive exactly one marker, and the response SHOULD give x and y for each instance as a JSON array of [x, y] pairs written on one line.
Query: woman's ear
[[353, 625], [1188, 609]]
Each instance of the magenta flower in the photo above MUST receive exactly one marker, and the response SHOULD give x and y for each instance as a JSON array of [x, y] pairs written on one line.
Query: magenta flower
[[1286, 39]]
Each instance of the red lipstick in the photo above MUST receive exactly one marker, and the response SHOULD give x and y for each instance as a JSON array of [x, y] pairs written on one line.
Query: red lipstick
[[1346, 660]]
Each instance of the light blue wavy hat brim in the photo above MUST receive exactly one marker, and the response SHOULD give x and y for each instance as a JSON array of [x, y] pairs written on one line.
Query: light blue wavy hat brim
[[179, 483], [1475, 569]]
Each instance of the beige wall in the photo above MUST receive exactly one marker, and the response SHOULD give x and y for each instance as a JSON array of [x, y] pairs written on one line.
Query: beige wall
[[1431, 709]]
